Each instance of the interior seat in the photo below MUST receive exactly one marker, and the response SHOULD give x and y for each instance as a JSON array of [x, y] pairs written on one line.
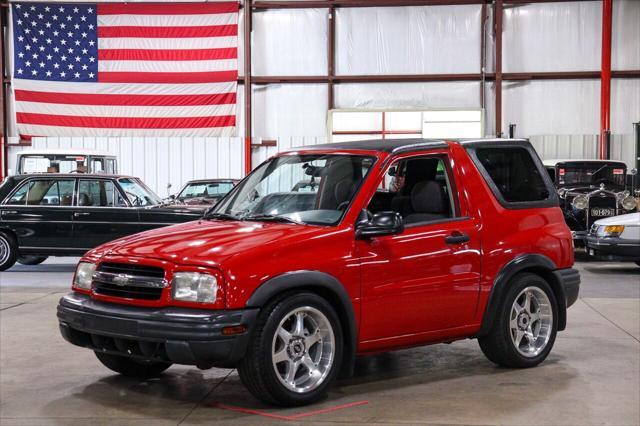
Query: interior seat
[[428, 202], [417, 171]]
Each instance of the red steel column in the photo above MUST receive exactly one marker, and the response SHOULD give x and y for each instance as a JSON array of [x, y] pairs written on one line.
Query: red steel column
[[499, 7], [247, 87], [3, 98], [605, 76]]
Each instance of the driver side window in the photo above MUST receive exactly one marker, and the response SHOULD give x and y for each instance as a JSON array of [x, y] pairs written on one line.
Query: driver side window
[[419, 188], [99, 193]]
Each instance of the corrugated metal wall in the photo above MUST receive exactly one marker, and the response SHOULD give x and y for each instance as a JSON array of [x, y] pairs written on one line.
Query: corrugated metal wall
[[159, 161]]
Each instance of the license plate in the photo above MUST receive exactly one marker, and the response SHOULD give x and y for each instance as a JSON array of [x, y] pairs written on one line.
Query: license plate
[[603, 212]]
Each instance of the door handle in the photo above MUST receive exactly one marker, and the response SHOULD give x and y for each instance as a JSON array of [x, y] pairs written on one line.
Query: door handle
[[10, 212], [78, 214], [457, 237]]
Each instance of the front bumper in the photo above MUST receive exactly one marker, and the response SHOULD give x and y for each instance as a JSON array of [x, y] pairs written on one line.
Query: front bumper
[[569, 279], [611, 248], [176, 335]]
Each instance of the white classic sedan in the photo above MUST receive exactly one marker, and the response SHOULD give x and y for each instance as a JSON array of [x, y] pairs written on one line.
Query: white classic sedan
[[616, 238]]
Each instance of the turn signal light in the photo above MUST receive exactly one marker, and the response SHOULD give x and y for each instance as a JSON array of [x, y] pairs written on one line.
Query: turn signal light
[[236, 329], [613, 230]]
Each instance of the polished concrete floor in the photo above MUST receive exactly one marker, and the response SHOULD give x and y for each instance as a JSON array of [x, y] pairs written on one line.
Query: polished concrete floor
[[591, 377]]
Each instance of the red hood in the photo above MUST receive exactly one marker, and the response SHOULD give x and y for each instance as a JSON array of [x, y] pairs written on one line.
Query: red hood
[[207, 242]]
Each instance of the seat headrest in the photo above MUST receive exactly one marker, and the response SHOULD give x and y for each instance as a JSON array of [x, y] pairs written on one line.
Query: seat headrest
[[428, 197]]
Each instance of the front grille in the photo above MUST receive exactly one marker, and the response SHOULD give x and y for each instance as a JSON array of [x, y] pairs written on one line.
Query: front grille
[[129, 281]]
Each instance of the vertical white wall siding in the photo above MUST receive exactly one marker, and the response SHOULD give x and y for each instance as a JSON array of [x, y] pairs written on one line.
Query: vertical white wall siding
[[584, 147], [159, 161]]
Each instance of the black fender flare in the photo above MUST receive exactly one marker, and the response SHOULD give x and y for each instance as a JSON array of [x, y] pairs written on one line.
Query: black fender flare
[[326, 285], [535, 263]]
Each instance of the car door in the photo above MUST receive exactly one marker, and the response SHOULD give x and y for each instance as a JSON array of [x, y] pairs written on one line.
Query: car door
[[101, 213], [427, 277], [39, 212]]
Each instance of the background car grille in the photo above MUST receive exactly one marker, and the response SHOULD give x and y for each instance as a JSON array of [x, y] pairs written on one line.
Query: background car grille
[[129, 281]]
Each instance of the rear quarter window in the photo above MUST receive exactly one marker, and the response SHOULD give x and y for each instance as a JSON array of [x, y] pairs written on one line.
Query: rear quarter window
[[515, 176]]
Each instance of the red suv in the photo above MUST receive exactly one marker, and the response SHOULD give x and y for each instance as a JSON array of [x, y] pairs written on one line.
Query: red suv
[[395, 243]]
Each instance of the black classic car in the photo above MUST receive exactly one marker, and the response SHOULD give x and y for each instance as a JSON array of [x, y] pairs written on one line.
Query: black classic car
[[67, 214], [202, 193], [590, 190]]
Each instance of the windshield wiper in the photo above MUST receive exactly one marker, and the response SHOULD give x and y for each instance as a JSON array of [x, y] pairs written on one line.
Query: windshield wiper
[[272, 218], [221, 216]]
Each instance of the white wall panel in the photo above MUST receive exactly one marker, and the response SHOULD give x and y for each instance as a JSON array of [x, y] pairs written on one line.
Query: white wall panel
[[625, 103], [289, 42], [408, 95], [284, 110], [584, 147], [625, 43], [408, 40], [552, 37], [547, 107], [158, 161]]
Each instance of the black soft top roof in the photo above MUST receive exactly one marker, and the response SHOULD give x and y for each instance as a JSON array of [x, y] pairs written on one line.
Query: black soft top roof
[[403, 145]]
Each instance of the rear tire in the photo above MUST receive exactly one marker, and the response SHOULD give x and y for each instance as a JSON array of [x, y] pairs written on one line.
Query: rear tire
[[638, 263], [296, 351], [8, 251], [31, 260], [525, 328], [132, 367]]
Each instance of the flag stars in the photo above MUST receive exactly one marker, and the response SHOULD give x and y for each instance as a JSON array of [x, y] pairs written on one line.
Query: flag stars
[[49, 57], [69, 18], [83, 18], [34, 72], [48, 24], [84, 67], [76, 10], [77, 75], [26, 14], [78, 58], [54, 17], [20, 55], [48, 73], [91, 75], [19, 21], [70, 50], [34, 23], [41, 48], [70, 66], [41, 64], [34, 56], [56, 65], [61, 9], [47, 9], [77, 42], [20, 70], [40, 16], [28, 63], [27, 30], [90, 10], [63, 74], [63, 58]]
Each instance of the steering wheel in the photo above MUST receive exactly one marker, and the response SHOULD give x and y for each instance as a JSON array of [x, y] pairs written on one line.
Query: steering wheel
[[136, 201]]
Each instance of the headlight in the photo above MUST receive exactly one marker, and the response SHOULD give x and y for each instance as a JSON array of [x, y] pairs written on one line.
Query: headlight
[[84, 275], [628, 203], [194, 287], [580, 202], [612, 230]]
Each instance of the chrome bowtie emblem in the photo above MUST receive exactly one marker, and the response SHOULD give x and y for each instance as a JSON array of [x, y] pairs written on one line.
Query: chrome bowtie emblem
[[121, 280]]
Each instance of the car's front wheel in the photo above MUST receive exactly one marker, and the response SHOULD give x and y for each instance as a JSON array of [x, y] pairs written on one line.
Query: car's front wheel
[[8, 251], [295, 352], [525, 328], [132, 367]]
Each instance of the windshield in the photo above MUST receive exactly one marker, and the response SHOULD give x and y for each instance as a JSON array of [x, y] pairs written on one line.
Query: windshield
[[273, 190], [205, 190], [609, 174], [138, 194]]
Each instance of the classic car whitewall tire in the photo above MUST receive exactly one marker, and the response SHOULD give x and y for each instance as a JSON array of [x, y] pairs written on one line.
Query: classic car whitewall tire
[[8, 251]]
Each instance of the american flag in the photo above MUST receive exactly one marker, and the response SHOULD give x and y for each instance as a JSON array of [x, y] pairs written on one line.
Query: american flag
[[134, 69]]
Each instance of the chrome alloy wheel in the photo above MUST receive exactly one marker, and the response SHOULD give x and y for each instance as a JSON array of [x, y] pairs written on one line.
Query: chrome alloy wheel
[[531, 321], [303, 349], [4, 250]]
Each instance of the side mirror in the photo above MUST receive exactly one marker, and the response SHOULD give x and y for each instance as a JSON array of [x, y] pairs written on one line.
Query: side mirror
[[383, 223]]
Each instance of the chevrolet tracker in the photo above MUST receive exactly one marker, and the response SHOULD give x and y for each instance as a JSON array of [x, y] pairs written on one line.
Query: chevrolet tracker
[[401, 243]]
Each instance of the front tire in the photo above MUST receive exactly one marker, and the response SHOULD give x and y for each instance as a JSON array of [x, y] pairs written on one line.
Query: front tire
[[132, 367], [8, 251], [31, 260], [525, 328], [296, 351]]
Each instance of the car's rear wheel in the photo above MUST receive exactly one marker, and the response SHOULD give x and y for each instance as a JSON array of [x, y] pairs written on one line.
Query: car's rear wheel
[[132, 367], [31, 260], [8, 251], [525, 328], [296, 351], [638, 263]]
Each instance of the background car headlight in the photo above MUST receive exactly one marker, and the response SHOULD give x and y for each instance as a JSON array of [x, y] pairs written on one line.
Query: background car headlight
[[580, 202], [628, 203], [611, 230], [84, 275], [194, 287]]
